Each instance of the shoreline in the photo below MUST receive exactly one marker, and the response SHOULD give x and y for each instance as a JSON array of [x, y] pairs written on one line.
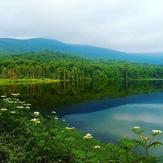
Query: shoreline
[[26, 81], [6, 81]]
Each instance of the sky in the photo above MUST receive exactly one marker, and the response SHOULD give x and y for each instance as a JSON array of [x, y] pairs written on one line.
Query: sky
[[124, 25]]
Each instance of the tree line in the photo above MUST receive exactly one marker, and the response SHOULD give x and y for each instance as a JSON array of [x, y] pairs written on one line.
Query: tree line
[[56, 65]]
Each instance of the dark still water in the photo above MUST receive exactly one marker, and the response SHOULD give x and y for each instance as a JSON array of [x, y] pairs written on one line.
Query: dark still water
[[107, 110]]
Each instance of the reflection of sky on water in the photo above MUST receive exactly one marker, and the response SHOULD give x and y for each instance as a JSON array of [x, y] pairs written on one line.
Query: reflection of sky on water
[[111, 124], [142, 112]]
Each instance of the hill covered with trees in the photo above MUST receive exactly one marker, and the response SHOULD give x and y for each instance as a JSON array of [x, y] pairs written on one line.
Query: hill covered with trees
[[19, 46]]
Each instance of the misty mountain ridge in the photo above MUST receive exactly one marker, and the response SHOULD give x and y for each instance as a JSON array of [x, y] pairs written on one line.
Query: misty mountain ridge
[[18, 46]]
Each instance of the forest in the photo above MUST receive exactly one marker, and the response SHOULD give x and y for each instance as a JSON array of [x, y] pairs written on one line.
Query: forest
[[65, 67]]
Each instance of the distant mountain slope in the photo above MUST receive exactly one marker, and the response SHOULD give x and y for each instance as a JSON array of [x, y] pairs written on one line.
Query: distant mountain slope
[[8, 45]]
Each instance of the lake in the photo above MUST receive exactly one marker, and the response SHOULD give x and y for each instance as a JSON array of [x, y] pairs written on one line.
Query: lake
[[108, 110]]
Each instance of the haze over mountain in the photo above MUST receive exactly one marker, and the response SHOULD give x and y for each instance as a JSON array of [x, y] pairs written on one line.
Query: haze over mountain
[[17, 46]]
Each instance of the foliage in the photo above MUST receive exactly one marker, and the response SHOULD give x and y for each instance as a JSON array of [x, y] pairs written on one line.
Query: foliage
[[147, 142], [60, 66], [27, 136]]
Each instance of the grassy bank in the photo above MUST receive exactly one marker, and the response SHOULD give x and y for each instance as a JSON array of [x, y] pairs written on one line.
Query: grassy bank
[[41, 81], [27, 136], [148, 79], [26, 81]]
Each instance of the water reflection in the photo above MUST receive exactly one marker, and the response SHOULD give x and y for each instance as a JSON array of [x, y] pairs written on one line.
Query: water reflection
[[59, 96], [113, 123], [106, 109]]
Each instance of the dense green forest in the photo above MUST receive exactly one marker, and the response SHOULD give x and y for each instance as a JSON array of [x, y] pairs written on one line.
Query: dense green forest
[[56, 65]]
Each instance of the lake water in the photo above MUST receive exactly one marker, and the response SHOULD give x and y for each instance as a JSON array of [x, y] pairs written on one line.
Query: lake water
[[108, 110]]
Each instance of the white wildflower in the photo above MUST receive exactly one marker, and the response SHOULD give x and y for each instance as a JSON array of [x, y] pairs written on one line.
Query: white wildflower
[[88, 136], [15, 94], [3, 96], [7, 99], [56, 118], [35, 120], [36, 113], [12, 112], [97, 147], [3, 109], [11, 102], [53, 112], [156, 132], [136, 128], [22, 102], [20, 107], [70, 128], [28, 104]]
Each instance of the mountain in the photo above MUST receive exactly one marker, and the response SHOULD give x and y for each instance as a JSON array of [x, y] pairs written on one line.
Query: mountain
[[16, 46]]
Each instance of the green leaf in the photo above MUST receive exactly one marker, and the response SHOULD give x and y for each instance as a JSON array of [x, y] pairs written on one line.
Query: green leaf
[[154, 144]]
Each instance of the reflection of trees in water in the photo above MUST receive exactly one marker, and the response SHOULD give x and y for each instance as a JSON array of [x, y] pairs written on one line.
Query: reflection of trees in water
[[48, 95]]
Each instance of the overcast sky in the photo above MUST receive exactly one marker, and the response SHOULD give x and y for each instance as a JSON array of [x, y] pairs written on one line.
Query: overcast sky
[[126, 25]]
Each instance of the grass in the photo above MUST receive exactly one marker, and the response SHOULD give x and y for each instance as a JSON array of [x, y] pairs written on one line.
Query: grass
[[26, 81], [5, 81], [147, 79]]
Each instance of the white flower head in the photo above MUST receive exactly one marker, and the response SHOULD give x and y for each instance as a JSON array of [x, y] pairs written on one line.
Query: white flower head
[[88, 136], [21, 102], [56, 118], [53, 112], [156, 132], [36, 113], [12, 112], [3, 109], [28, 104], [3, 96], [20, 107], [35, 120], [97, 147], [70, 128], [137, 129], [15, 94]]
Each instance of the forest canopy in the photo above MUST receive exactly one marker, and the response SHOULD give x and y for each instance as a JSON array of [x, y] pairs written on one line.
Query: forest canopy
[[56, 65]]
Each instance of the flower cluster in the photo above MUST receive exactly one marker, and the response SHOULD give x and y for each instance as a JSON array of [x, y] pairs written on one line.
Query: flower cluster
[[3, 109], [12, 112], [15, 94], [70, 128], [9, 100], [36, 113], [35, 120], [137, 130], [56, 118], [3, 96], [53, 112], [88, 136], [156, 132], [97, 147]]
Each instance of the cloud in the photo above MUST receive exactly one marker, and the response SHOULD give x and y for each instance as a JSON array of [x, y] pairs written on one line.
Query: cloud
[[122, 25]]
